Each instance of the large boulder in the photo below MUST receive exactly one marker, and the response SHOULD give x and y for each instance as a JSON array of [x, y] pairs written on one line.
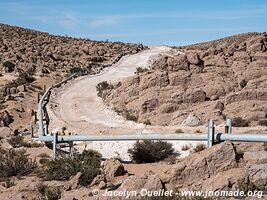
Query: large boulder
[[198, 95], [5, 131], [192, 171], [253, 157], [112, 168], [145, 181], [193, 58], [178, 62], [258, 176], [242, 56], [217, 60], [260, 56], [191, 121]]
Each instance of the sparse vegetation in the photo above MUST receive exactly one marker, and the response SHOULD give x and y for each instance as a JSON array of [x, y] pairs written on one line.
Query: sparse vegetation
[[151, 151], [129, 116], [15, 163], [199, 147], [140, 70], [198, 131], [240, 122], [24, 77], [17, 141], [62, 168], [263, 122], [185, 147], [243, 83], [179, 130], [10, 182], [147, 122], [101, 87], [9, 66], [48, 193], [43, 155], [247, 186], [34, 144]]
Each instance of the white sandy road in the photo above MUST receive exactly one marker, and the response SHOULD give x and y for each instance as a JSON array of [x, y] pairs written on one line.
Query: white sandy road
[[80, 109]]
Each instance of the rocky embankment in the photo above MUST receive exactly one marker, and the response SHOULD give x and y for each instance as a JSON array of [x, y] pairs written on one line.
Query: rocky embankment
[[218, 79]]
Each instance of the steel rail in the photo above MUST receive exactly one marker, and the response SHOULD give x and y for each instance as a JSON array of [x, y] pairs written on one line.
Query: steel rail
[[218, 137]]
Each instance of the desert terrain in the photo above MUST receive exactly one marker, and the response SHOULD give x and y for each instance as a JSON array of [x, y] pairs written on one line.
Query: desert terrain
[[150, 89]]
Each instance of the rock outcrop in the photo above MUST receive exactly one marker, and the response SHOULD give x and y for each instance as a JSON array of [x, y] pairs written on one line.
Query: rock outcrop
[[207, 80]]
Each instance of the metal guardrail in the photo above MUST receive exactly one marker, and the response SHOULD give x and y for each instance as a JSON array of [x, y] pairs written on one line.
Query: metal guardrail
[[211, 137]]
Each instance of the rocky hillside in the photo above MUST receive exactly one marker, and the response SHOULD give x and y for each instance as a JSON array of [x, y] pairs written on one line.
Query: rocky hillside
[[191, 84], [23, 48], [30, 60]]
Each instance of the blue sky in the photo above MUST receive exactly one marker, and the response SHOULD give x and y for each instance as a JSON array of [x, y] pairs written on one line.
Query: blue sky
[[152, 22]]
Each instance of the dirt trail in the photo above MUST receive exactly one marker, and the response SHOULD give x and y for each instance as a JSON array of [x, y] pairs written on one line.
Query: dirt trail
[[80, 107], [77, 107]]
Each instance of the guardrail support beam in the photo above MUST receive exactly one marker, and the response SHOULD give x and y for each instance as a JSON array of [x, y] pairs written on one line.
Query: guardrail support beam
[[211, 132], [55, 137], [228, 127]]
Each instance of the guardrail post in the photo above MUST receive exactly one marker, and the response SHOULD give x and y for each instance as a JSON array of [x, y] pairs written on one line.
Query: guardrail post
[[71, 148], [228, 127], [55, 136], [46, 129], [211, 131]]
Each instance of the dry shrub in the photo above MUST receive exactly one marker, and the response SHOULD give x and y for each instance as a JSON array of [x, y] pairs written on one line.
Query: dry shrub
[[17, 141], [48, 193], [240, 122], [151, 151], [15, 163], [179, 130], [199, 147], [101, 87], [147, 122], [263, 122], [185, 147], [140, 70], [62, 168]]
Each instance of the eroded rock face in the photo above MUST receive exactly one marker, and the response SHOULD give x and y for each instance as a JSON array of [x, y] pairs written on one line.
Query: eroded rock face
[[233, 69]]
